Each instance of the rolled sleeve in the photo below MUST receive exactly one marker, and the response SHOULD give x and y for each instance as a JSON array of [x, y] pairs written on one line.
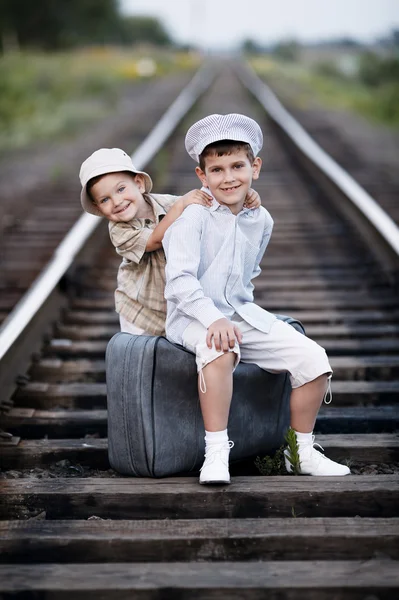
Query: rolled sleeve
[[130, 242], [165, 200], [182, 245]]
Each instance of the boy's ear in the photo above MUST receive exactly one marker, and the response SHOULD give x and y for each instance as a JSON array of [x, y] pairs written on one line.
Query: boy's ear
[[256, 166], [140, 182], [201, 176]]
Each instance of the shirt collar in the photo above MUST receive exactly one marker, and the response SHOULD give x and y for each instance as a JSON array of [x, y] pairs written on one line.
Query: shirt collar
[[159, 210], [249, 212]]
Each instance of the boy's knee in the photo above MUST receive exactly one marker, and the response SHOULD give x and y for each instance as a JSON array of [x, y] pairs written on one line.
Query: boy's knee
[[224, 361], [313, 365]]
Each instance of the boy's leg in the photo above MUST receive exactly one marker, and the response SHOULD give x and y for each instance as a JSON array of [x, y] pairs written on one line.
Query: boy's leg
[[215, 388], [285, 349], [215, 395], [305, 403]]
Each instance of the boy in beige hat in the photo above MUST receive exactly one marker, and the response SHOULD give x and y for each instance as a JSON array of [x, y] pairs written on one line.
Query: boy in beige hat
[[212, 256], [113, 188]]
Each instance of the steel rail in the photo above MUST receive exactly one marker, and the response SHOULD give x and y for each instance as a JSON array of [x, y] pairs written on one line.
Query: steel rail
[[24, 311], [344, 182]]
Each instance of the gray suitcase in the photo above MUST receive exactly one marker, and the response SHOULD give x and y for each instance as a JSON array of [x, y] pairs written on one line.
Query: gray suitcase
[[155, 427]]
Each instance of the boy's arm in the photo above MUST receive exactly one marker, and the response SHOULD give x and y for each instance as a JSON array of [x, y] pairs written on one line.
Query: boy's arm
[[132, 242], [182, 245], [267, 232], [154, 241]]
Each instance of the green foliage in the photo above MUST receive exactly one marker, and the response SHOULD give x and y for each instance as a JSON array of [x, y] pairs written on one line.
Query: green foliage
[[275, 464], [294, 514], [250, 47], [53, 24], [144, 29], [376, 70], [293, 451], [288, 51], [271, 465], [381, 74], [59, 24], [382, 105], [43, 95], [301, 86], [328, 68], [379, 77]]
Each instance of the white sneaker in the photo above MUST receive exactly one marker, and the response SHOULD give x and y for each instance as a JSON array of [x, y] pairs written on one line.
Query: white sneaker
[[216, 465], [313, 462]]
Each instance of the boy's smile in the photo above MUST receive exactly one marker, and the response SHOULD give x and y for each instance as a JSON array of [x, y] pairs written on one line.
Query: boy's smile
[[229, 177], [119, 197]]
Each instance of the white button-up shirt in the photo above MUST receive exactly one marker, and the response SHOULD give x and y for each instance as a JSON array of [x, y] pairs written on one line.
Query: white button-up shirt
[[212, 256]]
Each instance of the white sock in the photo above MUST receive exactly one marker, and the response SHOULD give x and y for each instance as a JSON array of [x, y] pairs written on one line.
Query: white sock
[[304, 438], [216, 437]]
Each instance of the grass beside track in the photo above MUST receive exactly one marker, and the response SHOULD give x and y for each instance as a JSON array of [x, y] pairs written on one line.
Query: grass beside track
[[43, 96], [379, 104]]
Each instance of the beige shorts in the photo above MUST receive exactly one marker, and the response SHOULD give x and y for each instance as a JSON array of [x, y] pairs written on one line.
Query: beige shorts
[[282, 349], [129, 327]]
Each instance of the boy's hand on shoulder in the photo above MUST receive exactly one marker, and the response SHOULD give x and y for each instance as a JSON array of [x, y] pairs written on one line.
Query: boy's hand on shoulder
[[196, 197], [252, 199], [224, 335]]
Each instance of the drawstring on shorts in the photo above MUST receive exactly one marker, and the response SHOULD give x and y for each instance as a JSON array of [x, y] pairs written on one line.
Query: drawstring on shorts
[[328, 393], [202, 381]]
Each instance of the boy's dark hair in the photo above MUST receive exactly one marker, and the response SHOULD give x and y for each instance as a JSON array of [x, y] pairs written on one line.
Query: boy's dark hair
[[96, 179], [224, 147]]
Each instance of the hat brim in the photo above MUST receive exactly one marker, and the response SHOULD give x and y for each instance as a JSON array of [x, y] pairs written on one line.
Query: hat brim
[[88, 204]]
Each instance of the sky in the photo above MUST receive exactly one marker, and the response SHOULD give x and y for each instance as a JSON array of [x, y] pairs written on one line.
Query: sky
[[226, 23]]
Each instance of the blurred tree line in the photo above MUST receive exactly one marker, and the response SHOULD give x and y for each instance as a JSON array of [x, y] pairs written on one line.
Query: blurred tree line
[[363, 76], [377, 71], [59, 24]]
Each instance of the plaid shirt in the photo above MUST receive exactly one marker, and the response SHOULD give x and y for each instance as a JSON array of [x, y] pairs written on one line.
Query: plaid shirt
[[139, 296]]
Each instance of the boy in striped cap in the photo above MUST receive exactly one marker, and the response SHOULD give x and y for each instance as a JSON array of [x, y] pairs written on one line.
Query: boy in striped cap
[[212, 256]]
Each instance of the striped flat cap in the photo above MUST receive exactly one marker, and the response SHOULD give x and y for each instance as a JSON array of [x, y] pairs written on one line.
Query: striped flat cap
[[223, 127]]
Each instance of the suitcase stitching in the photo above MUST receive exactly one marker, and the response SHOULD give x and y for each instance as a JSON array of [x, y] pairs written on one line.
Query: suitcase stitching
[[150, 471], [117, 448], [125, 403], [152, 405]]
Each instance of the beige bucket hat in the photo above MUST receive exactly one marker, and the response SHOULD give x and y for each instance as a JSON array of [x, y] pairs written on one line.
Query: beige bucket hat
[[106, 160]]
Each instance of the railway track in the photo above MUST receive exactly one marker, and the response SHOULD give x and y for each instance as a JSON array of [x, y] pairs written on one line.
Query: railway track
[[71, 526]]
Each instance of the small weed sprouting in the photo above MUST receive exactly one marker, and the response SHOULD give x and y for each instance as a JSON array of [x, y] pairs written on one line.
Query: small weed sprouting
[[275, 464], [271, 465], [293, 452]]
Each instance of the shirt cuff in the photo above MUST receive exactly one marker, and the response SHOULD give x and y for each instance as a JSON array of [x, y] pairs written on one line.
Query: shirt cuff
[[210, 316], [141, 243]]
